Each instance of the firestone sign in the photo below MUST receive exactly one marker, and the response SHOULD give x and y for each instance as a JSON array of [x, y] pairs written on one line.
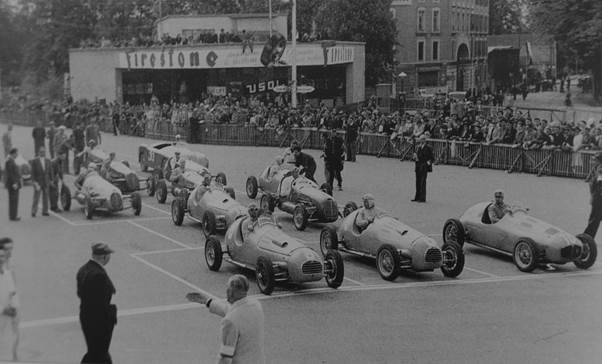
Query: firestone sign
[[231, 57]]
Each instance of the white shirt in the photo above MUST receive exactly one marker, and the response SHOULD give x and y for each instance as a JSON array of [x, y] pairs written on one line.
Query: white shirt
[[7, 289]]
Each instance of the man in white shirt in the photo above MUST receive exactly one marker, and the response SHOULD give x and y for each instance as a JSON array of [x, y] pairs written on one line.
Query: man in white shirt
[[242, 326]]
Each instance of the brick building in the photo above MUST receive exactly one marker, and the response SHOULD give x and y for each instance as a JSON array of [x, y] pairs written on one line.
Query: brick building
[[442, 45]]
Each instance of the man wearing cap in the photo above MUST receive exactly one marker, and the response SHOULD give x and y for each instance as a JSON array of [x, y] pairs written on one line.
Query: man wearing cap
[[367, 213], [97, 315], [13, 183], [498, 209], [423, 158], [306, 161], [242, 326]]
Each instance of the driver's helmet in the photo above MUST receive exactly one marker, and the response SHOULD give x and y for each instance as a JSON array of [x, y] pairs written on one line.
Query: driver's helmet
[[368, 200]]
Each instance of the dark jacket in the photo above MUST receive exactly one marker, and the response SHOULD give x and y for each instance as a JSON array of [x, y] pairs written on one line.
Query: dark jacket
[[425, 155], [334, 152], [95, 290], [39, 134], [307, 162], [43, 176], [13, 175]]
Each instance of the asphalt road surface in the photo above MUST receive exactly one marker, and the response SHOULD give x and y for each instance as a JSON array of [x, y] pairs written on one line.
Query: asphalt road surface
[[492, 313]]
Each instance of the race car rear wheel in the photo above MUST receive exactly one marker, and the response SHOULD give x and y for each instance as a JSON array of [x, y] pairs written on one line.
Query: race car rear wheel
[[252, 187], [150, 185], [589, 252], [266, 203], [88, 209], [336, 269], [453, 259], [65, 198], [213, 253], [221, 178], [453, 232], [208, 223], [230, 191], [136, 203], [300, 217], [265, 276], [525, 255], [326, 188], [328, 239], [388, 262], [177, 212], [161, 191], [349, 208]]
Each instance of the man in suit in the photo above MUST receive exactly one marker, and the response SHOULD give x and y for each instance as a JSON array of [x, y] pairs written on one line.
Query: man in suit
[[351, 134], [41, 176], [333, 159], [13, 184], [39, 137], [56, 178], [7, 140], [97, 315], [306, 161], [423, 156], [50, 134], [595, 189]]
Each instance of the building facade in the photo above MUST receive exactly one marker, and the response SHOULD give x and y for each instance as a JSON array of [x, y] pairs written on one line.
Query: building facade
[[442, 45]]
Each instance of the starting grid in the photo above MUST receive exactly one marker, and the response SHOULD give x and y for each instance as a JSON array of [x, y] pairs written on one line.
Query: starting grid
[[352, 286]]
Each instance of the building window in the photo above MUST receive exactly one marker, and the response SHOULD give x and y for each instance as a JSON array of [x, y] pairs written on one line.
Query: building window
[[420, 51], [436, 20], [435, 50], [420, 20]]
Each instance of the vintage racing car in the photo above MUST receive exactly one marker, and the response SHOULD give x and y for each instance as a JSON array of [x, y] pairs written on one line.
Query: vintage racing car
[[96, 193], [211, 206], [119, 173], [155, 156], [528, 240], [298, 196], [393, 244], [273, 255], [192, 177]]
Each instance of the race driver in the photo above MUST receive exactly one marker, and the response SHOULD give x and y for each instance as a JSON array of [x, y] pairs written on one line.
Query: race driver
[[498, 209], [367, 213]]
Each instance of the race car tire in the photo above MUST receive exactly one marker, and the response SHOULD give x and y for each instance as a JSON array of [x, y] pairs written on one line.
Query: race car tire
[[525, 255], [328, 240], [65, 198], [136, 203], [150, 185], [266, 203], [221, 178], [265, 275], [334, 278], [453, 231], [388, 262], [177, 212], [208, 223], [141, 161], [326, 188], [300, 217], [589, 252], [230, 191], [88, 208], [252, 187], [213, 253], [161, 191], [349, 208], [126, 163], [453, 259]]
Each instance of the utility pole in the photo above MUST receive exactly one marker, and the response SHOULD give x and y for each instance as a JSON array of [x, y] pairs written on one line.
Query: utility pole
[[270, 10], [294, 55]]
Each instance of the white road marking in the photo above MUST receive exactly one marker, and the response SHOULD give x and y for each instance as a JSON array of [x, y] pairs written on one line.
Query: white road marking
[[160, 235], [481, 272], [165, 251], [62, 218], [105, 222], [354, 281], [312, 291], [156, 209]]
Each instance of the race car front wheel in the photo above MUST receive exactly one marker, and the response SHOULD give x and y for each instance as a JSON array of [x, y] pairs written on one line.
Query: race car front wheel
[[525, 255], [328, 240], [589, 252], [177, 212], [453, 260], [161, 191], [252, 187], [265, 276], [213, 254], [300, 218], [453, 232], [209, 224], [334, 268], [388, 262]]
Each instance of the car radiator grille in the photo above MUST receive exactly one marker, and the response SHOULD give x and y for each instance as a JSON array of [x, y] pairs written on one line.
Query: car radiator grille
[[330, 209], [571, 252], [433, 255], [311, 267], [116, 203]]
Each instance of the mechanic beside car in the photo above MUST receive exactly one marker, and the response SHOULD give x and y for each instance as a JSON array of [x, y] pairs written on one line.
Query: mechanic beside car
[[498, 209]]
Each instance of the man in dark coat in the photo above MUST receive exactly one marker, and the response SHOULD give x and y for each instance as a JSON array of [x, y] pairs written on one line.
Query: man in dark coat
[[50, 134], [79, 143], [306, 161], [351, 134], [41, 176], [12, 181], [595, 188], [39, 137], [56, 170], [423, 156], [97, 315], [333, 159]]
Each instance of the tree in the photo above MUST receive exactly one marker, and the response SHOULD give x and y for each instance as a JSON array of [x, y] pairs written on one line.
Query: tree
[[11, 44], [506, 16], [576, 26], [368, 21]]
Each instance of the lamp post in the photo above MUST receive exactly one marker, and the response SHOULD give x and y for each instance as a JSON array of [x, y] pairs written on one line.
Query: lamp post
[[294, 56], [270, 10]]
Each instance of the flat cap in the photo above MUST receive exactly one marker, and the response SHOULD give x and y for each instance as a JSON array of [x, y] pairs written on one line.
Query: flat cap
[[101, 249]]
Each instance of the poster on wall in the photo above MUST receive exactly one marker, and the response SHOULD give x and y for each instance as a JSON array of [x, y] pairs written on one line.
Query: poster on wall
[[217, 90]]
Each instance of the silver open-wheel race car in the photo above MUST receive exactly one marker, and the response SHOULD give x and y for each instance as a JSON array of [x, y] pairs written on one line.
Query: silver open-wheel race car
[[97, 194], [394, 245], [274, 256], [118, 173], [530, 241]]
